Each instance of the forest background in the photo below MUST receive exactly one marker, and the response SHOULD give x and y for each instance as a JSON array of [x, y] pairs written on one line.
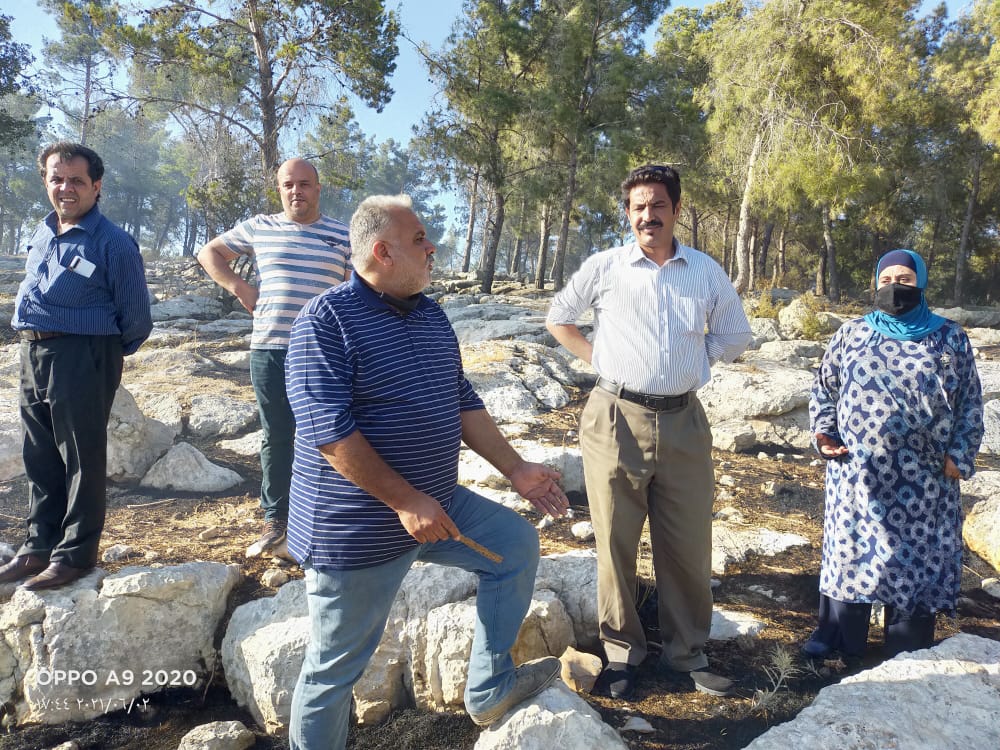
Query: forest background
[[811, 135]]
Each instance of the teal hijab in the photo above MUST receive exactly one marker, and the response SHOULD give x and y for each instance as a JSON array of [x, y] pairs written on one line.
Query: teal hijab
[[918, 322]]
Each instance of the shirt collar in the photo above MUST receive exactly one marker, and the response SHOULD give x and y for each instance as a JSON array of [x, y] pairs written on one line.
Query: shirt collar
[[636, 255], [375, 299], [88, 223]]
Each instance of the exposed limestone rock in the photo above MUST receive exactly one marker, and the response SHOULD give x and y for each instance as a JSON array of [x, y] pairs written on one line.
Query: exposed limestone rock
[[162, 406], [946, 698], [733, 435], [476, 472], [184, 467], [11, 463], [727, 625], [972, 317], [547, 629], [94, 646], [764, 330], [782, 351], [731, 542], [573, 576], [580, 670], [989, 378], [555, 718], [262, 653], [981, 529], [213, 415], [235, 360], [248, 445], [991, 425], [135, 442], [983, 336], [766, 389], [793, 316], [219, 735], [171, 362], [188, 306]]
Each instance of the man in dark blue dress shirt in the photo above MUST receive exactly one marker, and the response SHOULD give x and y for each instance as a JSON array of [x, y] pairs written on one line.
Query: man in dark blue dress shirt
[[82, 306]]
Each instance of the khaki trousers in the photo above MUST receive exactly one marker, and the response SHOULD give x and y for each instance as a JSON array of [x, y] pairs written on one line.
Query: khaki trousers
[[638, 463]]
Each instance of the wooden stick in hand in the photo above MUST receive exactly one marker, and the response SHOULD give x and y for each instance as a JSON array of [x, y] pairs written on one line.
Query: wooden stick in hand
[[480, 549]]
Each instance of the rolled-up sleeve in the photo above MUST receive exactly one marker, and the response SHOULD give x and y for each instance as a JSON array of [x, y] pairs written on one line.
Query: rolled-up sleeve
[[729, 331], [576, 297]]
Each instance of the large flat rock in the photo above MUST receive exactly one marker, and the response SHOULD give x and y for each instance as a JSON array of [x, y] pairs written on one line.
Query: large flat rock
[[943, 698]]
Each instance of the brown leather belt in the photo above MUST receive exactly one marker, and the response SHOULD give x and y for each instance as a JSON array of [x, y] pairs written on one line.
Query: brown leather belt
[[28, 334], [656, 403]]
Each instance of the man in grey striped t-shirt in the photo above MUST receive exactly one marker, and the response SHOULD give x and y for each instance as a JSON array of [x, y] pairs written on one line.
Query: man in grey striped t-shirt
[[297, 254], [663, 313]]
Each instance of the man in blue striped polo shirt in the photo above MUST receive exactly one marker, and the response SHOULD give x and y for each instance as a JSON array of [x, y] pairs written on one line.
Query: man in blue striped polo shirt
[[297, 254], [663, 313], [83, 306], [381, 406]]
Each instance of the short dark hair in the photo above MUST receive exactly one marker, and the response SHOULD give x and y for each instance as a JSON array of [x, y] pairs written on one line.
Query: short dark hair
[[666, 176], [67, 151]]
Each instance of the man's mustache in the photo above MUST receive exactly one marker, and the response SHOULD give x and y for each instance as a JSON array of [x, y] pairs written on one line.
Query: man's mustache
[[646, 224]]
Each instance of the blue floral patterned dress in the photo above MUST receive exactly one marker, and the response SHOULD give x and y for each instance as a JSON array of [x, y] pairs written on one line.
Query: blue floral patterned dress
[[892, 530]]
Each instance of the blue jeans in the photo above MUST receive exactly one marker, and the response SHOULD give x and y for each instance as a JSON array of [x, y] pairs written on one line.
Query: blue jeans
[[348, 610], [267, 373]]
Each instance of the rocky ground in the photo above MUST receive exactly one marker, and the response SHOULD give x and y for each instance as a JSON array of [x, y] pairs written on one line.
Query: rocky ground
[[756, 488], [773, 684]]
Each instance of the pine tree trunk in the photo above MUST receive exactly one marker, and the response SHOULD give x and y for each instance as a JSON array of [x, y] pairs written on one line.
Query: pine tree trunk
[[831, 255], [560, 257], [490, 257], [471, 228], [961, 259], [545, 225]]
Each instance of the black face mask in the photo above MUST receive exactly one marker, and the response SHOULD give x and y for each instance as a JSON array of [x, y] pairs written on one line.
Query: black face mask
[[897, 299]]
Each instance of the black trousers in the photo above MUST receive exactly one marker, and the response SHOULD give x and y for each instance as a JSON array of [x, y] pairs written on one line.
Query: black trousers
[[843, 627], [68, 386]]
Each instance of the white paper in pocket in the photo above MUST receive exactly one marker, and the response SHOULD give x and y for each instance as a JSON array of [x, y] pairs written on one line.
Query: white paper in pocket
[[82, 266]]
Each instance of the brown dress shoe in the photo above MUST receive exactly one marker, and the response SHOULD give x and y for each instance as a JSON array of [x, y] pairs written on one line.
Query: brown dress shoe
[[56, 575], [22, 566]]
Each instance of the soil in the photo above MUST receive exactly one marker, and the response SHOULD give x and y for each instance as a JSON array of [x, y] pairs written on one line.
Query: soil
[[782, 492]]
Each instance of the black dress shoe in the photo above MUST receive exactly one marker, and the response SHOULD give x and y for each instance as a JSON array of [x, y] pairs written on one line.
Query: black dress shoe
[[619, 680], [712, 684], [22, 566], [56, 575]]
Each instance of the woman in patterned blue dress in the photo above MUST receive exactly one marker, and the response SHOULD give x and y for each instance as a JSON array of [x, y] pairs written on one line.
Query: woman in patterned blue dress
[[896, 409]]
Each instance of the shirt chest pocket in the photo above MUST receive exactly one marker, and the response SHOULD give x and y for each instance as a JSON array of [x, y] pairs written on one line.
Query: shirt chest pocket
[[690, 315], [66, 288]]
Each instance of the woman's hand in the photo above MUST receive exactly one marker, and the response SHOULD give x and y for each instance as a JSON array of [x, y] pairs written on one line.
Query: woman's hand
[[828, 447], [950, 469]]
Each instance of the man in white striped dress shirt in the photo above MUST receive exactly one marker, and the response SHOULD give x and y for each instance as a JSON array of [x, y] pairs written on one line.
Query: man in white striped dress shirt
[[663, 313], [297, 254]]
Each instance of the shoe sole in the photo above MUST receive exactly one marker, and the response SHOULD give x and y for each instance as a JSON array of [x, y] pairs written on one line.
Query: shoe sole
[[725, 692], [259, 547], [713, 692]]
